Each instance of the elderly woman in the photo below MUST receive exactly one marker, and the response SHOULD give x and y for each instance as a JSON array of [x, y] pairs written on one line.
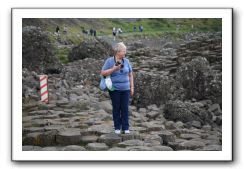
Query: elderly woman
[[120, 71]]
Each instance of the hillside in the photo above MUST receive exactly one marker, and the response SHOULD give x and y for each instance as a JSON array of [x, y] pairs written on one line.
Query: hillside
[[104, 26], [153, 28]]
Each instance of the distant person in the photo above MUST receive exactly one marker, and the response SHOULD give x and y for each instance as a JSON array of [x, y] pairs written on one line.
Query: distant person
[[94, 32], [57, 29], [114, 32], [134, 28], [85, 32], [119, 31], [91, 32], [65, 30], [140, 28]]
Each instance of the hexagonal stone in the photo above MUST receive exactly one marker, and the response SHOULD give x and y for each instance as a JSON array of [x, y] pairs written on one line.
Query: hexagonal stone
[[138, 129], [101, 129], [118, 149], [196, 124], [151, 143], [60, 103], [191, 145], [151, 126], [54, 127], [33, 130], [49, 149], [189, 136], [125, 137], [40, 139], [139, 148], [89, 139], [38, 112], [152, 114], [212, 148], [97, 147], [69, 137], [153, 137], [73, 148], [131, 143], [31, 148], [162, 148], [167, 136], [110, 139]]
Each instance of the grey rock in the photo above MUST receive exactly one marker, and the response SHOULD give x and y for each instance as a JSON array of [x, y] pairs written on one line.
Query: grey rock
[[152, 114], [162, 148], [189, 136], [49, 149], [151, 143], [100, 129], [106, 105], [97, 147], [170, 125], [118, 149], [110, 139], [33, 130], [89, 139], [31, 148], [196, 124], [131, 143], [212, 148], [139, 148], [191, 145], [69, 137], [73, 148], [40, 138], [215, 108], [167, 136]]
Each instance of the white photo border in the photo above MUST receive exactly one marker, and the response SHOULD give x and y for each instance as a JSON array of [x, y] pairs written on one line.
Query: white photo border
[[227, 124]]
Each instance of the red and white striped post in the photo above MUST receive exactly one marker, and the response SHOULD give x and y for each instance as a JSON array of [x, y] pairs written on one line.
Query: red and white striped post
[[44, 88]]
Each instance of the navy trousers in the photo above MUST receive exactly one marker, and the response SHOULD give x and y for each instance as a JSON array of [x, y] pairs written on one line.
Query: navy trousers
[[120, 102]]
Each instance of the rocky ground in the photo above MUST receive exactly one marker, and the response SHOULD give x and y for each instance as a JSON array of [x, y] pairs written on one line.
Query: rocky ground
[[79, 115]]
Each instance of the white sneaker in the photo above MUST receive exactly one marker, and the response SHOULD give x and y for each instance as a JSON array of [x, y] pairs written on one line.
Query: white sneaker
[[127, 131], [117, 131]]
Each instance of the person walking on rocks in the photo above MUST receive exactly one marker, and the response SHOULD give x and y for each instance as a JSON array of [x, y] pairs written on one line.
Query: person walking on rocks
[[120, 71], [114, 32]]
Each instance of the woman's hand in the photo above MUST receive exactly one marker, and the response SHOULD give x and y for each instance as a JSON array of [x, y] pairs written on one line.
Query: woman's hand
[[131, 91], [115, 68]]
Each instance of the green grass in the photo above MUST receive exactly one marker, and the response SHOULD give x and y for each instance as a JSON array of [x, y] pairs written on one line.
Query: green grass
[[62, 54]]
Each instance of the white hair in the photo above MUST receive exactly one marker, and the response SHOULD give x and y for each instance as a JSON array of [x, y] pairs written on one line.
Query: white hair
[[119, 46]]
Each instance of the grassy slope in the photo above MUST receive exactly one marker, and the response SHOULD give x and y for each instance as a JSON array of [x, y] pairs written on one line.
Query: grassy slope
[[152, 28]]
